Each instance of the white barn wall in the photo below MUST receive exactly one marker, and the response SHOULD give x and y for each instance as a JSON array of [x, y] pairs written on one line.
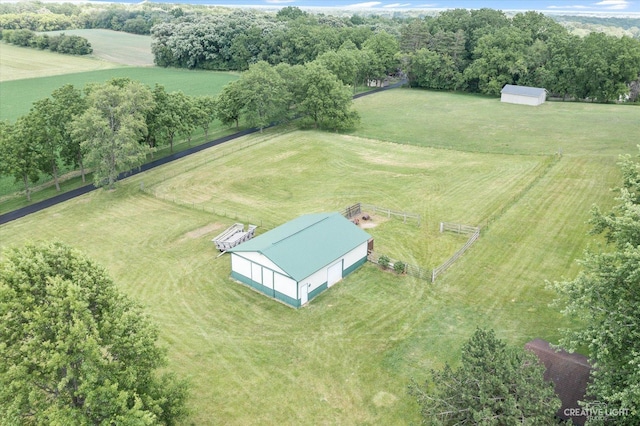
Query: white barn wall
[[285, 285], [520, 100], [240, 265], [320, 277], [316, 279], [355, 255], [262, 260]]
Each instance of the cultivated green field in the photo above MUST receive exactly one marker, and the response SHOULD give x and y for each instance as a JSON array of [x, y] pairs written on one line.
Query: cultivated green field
[[27, 75], [19, 95], [347, 358]]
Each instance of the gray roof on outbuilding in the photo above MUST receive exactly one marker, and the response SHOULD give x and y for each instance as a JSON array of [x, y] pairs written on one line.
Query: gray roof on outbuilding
[[533, 92]]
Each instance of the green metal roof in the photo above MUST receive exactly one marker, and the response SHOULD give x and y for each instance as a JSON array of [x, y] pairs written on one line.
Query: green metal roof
[[306, 244]]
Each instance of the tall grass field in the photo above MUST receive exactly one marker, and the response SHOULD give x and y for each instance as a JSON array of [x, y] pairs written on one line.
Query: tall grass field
[[348, 356]]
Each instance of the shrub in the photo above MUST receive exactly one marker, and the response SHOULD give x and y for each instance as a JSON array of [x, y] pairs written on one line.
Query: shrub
[[384, 261], [399, 267]]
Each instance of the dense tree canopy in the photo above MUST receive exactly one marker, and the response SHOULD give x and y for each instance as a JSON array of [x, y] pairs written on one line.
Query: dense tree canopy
[[73, 349], [111, 128], [605, 296], [495, 384]]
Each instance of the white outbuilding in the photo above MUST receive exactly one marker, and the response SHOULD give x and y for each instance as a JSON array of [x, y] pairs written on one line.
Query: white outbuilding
[[300, 259], [523, 95]]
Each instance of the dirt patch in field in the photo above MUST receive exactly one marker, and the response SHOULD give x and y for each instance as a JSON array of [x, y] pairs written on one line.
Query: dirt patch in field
[[372, 221], [201, 232]]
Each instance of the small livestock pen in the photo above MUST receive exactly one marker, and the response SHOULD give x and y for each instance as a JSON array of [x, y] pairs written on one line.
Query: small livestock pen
[[300, 259]]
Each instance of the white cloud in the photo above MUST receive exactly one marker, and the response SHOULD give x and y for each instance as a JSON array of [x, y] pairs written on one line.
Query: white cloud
[[613, 4], [364, 5], [575, 6], [280, 1], [397, 5]]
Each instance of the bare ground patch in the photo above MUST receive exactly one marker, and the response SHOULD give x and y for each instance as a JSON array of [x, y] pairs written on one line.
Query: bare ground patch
[[201, 232]]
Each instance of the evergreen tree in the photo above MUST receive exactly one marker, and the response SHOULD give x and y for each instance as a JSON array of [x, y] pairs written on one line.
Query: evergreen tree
[[494, 385], [605, 296]]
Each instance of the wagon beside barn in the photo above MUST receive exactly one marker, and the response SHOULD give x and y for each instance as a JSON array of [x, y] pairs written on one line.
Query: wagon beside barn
[[298, 260]]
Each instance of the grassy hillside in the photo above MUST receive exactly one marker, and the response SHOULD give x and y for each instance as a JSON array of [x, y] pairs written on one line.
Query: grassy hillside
[[476, 123], [21, 62], [348, 357], [116, 46], [111, 49]]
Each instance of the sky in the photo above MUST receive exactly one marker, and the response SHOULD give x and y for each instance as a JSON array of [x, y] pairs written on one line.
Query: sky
[[631, 7]]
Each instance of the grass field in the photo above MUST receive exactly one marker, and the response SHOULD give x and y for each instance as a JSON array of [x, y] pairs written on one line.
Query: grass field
[[132, 49], [111, 49], [18, 63], [483, 124], [27, 75], [19, 95], [347, 358]]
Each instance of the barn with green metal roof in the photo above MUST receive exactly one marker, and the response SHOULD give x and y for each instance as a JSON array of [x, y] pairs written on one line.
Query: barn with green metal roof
[[300, 259]]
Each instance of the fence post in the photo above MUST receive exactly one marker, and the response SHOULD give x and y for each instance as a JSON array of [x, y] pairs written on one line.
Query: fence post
[[441, 227]]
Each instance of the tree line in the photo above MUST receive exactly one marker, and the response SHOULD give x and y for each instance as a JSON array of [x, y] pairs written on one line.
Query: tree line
[[114, 127], [465, 50], [62, 43]]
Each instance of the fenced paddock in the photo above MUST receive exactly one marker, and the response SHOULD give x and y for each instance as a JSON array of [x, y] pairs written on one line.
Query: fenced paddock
[[358, 208], [474, 234], [409, 269], [431, 274]]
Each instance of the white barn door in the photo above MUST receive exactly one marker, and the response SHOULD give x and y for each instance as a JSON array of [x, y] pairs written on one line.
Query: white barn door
[[334, 273]]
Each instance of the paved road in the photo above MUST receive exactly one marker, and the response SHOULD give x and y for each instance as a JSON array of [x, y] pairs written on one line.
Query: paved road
[[41, 205]]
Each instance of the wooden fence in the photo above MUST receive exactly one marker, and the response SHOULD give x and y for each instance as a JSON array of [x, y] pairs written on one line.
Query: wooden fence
[[474, 233], [229, 214], [409, 269], [358, 208]]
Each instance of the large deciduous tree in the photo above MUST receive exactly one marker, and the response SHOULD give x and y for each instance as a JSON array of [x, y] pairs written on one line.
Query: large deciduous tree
[[263, 94], [112, 126], [21, 156], [74, 350], [605, 296], [229, 104], [495, 384], [68, 103], [325, 102]]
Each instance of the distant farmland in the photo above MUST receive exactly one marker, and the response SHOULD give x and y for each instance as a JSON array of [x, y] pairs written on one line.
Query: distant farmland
[[27, 75]]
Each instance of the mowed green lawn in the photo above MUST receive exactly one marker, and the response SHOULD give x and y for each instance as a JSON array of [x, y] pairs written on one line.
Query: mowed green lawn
[[476, 123], [347, 358]]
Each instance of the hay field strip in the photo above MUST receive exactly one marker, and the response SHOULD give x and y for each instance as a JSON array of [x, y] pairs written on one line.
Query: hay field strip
[[116, 46], [17, 63]]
